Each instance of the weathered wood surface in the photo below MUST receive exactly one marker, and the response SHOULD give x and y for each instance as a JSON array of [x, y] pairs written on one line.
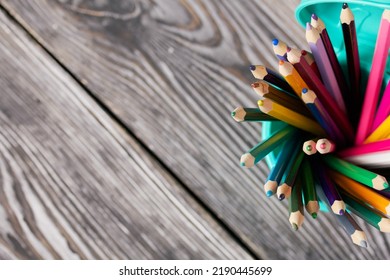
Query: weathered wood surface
[[74, 185], [172, 71]]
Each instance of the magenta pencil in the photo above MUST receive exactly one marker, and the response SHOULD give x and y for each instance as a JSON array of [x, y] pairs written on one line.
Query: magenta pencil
[[379, 146], [328, 75], [383, 110], [374, 79]]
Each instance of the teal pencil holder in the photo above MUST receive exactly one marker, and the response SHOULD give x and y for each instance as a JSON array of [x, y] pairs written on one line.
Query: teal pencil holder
[[367, 19]]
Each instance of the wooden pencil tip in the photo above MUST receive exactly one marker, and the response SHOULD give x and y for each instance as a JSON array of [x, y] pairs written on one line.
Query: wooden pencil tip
[[260, 103], [233, 114], [252, 67], [314, 16], [341, 212], [314, 215], [345, 5], [304, 90], [294, 226], [281, 62], [255, 85], [308, 26], [275, 42], [281, 196], [385, 185]]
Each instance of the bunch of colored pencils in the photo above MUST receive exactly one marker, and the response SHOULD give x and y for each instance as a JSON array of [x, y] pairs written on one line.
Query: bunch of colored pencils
[[333, 138]]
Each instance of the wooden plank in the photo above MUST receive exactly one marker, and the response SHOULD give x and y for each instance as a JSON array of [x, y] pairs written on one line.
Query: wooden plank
[[74, 185], [173, 71]]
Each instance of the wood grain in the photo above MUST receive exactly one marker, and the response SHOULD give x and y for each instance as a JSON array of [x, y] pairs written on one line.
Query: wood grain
[[172, 71], [74, 185]]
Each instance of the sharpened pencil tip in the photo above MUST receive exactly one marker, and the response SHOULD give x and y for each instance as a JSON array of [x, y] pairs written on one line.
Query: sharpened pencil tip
[[308, 26], [341, 212], [345, 5], [364, 244], [314, 215], [385, 185], [304, 90], [252, 67], [294, 226], [275, 42], [269, 193], [281, 197], [314, 16], [242, 163], [233, 114], [260, 103]]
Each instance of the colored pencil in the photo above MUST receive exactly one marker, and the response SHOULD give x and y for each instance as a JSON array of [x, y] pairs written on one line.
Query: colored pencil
[[347, 20], [290, 175], [369, 215], [314, 83], [383, 108], [290, 74], [309, 190], [325, 146], [312, 63], [241, 114], [263, 73], [262, 149], [371, 155], [289, 116], [292, 102], [324, 65], [309, 147], [361, 192], [332, 195], [380, 133], [317, 23], [374, 147], [302, 65], [364, 176], [349, 225], [277, 171], [372, 160], [322, 116], [374, 79], [280, 49], [295, 206]]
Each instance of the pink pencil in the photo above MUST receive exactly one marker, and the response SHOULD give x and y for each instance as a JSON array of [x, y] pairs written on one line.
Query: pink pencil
[[379, 146], [375, 79], [383, 109]]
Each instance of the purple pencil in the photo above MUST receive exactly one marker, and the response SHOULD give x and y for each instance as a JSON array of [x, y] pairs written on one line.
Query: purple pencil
[[317, 23], [323, 62], [332, 195]]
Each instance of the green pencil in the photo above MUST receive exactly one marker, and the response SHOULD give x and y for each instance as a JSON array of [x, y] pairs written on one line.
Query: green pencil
[[241, 114], [356, 173], [309, 191], [289, 176], [369, 215], [295, 206], [262, 149]]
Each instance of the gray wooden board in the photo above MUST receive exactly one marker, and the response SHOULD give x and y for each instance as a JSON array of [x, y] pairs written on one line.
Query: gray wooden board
[[172, 71], [74, 185]]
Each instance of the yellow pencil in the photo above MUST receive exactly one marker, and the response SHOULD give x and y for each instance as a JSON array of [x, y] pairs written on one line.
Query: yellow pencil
[[380, 133], [291, 117], [291, 75]]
